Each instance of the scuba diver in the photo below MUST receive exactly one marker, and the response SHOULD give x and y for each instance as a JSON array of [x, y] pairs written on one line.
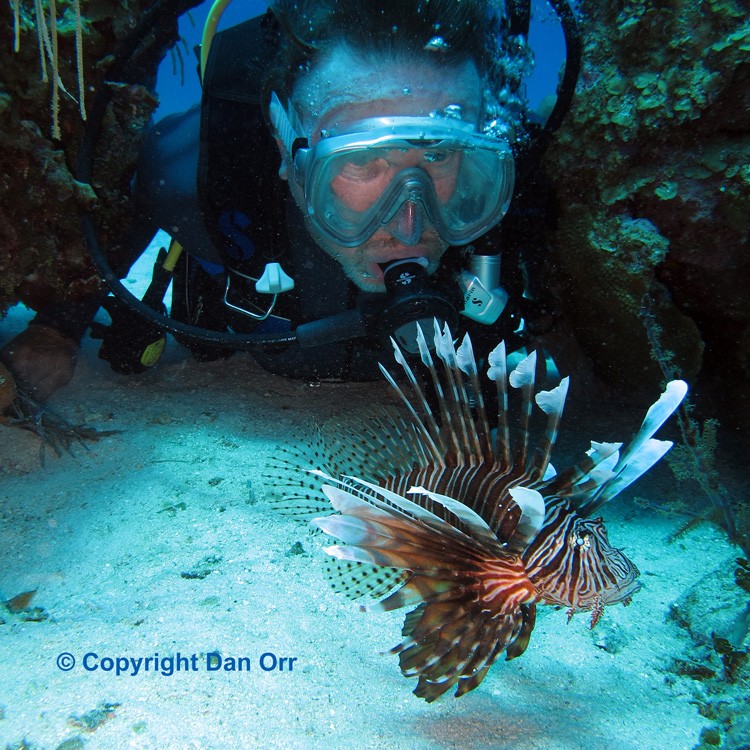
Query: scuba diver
[[343, 180]]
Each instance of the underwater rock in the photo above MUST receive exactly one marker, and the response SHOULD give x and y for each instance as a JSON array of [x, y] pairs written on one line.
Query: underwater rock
[[716, 607], [7, 388], [93, 719], [42, 256], [659, 132]]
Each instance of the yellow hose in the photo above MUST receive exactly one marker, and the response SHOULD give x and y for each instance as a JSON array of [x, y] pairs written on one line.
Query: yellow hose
[[212, 21]]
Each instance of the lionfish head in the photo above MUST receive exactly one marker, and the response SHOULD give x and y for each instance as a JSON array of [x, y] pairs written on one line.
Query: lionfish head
[[581, 570]]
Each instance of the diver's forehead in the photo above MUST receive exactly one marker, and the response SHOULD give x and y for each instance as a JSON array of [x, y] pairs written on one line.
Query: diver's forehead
[[345, 87]]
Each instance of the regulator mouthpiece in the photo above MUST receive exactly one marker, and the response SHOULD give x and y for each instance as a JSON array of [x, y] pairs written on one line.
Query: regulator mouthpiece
[[413, 300]]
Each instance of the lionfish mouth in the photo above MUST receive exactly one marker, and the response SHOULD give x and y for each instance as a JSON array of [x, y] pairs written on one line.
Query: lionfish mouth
[[438, 510]]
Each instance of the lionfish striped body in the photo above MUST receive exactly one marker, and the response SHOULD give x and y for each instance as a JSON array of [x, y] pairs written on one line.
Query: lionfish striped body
[[451, 516]]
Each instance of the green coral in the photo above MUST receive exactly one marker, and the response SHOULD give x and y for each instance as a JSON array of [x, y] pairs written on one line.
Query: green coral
[[658, 134]]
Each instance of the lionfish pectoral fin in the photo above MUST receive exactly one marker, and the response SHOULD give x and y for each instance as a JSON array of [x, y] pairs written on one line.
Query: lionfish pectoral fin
[[294, 493], [518, 645], [356, 580], [393, 503], [475, 523]]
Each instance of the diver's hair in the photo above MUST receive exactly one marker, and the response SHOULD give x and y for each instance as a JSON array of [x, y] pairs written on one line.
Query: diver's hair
[[445, 32]]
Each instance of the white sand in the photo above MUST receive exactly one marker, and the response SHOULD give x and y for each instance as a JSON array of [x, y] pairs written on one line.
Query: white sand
[[105, 534]]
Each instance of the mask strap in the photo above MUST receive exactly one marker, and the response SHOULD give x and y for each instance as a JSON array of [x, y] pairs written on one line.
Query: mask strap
[[287, 126]]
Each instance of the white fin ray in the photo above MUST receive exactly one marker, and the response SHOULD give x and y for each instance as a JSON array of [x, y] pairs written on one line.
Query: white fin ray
[[553, 401], [435, 449], [531, 521], [465, 357], [368, 556], [524, 378], [604, 455], [649, 453], [444, 344], [655, 417], [525, 372], [394, 502], [424, 349], [458, 422], [478, 526], [498, 364], [352, 530], [550, 473], [643, 451], [498, 371]]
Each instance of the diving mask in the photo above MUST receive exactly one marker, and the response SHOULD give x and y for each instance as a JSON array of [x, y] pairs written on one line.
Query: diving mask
[[396, 172]]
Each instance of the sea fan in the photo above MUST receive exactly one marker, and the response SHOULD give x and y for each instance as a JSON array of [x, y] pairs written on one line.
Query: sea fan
[[488, 530]]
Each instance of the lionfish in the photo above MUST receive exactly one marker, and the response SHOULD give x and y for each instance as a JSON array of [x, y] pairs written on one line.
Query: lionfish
[[455, 519]]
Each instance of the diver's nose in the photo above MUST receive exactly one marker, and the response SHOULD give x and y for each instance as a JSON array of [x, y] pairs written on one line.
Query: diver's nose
[[408, 223]]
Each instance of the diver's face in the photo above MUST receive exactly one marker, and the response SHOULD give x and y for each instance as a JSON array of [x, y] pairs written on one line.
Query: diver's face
[[345, 88]]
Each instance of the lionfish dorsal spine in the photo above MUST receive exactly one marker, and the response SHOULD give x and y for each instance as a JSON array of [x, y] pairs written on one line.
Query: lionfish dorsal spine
[[498, 371], [431, 438], [643, 451], [639, 463], [584, 477], [468, 365], [428, 417], [523, 377], [460, 426], [552, 403], [655, 417]]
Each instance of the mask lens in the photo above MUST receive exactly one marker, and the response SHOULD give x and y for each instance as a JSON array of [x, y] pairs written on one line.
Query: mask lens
[[464, 189]]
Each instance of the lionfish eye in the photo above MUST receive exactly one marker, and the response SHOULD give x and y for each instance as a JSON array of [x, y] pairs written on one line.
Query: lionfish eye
[[580, 541]]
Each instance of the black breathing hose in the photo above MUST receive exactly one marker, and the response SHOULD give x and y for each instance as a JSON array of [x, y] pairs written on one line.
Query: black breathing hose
[[573, 49]]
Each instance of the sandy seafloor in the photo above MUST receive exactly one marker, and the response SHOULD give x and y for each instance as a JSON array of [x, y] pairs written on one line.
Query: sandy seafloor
[[107, 533]]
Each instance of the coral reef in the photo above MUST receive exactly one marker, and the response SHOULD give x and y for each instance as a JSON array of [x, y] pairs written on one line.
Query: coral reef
[[42, 255], [651, 170]]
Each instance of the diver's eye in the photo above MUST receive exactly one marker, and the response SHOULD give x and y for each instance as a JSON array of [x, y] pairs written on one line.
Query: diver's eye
[[433, 157]]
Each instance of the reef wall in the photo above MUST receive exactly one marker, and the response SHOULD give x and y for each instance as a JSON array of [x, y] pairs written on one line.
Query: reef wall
[[652, 172], [42, 256]]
